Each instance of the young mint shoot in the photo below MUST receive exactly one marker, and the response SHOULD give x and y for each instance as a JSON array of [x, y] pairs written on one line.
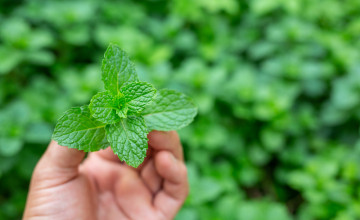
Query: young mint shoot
[[124, 113]]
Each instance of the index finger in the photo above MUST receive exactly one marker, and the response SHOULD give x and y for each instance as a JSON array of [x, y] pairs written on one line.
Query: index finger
[[166, 140], [158, 141]]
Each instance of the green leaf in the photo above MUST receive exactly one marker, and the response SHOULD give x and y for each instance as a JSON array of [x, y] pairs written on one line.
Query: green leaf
[[128, 139], [39, 133], [77, 129], [105, 107], [117, 69], [9, 146], [138, 95], [122, 113], [170, 110]]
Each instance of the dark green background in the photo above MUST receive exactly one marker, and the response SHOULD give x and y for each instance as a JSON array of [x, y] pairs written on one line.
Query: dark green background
[[277, 83]]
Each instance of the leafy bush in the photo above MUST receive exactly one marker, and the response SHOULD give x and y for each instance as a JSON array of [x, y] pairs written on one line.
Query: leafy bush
[[277, 83]]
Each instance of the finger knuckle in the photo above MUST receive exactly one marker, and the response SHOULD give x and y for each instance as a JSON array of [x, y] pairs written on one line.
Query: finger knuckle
[[174, 135], [183, 170]]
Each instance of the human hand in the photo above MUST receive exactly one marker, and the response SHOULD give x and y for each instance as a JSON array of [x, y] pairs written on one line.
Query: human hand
[[102, 187]]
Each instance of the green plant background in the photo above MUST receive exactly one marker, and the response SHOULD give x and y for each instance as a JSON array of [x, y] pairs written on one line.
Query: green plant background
[[277, 83]]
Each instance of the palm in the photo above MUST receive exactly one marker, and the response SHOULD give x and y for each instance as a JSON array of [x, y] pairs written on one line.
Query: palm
[[119, 191]]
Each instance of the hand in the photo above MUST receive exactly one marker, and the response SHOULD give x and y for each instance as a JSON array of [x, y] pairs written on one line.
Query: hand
[[102, 187]]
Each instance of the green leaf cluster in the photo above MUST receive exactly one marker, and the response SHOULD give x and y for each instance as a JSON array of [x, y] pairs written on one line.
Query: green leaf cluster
[[276, 83], [122, 115]]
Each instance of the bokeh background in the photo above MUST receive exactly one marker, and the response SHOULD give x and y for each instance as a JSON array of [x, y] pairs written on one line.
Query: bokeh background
[[277, 83]]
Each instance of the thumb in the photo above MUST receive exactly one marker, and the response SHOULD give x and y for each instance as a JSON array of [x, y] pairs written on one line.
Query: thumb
[[58, 164], [61, 157]]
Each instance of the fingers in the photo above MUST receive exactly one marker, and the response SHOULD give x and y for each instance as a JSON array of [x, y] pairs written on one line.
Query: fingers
[[133, 197], [62, 157], [58, 164], [174, 173], [104, 171], [108, 154], [175, 186], [160, 140], [151, 177]]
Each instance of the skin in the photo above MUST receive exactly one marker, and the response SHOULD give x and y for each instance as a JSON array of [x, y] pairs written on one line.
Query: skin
[[64, 186]]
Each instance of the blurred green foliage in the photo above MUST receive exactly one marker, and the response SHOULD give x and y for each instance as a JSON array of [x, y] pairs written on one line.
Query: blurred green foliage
[[277, 83]]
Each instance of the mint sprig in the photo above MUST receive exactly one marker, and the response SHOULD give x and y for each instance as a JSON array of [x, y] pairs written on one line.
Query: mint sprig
[[123, 115]]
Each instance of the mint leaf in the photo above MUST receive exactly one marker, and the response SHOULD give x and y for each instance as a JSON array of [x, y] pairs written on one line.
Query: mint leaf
[[77, 129], [138, 95], [170, 110], [117, 69], [124, 113], [108, 108], [128, 139]]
